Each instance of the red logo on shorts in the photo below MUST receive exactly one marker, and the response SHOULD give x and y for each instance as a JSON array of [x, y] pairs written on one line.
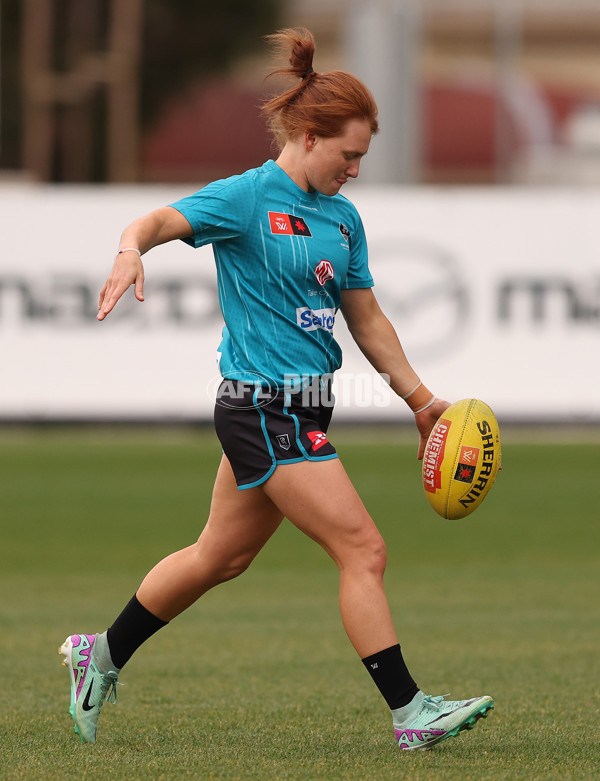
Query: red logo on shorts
[[318, 439], [323, 272]]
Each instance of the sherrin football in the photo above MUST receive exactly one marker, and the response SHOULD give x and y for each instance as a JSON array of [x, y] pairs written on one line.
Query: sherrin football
[[462, 458]]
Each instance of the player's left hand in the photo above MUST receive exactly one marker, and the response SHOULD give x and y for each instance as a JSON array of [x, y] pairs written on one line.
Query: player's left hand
[[127, 270], [426, 420]]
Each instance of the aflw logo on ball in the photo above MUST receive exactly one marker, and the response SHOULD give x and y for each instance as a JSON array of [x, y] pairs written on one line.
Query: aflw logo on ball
[[323, 272], [467, 463]]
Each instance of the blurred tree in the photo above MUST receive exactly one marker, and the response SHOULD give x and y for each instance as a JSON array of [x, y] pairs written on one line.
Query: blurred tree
[[10, 93], [180, 41], [183, 39]]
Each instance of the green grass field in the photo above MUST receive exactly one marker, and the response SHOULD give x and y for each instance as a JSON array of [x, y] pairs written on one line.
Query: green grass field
[[258, 681]]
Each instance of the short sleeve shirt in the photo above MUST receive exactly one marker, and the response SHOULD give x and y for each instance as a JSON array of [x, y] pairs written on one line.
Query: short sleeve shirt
[[283, 256]]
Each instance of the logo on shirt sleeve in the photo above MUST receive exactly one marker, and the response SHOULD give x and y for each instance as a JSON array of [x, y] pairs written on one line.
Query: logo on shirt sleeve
[[288, 225]]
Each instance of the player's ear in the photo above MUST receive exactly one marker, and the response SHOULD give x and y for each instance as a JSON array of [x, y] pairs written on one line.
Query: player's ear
[[310, 139]]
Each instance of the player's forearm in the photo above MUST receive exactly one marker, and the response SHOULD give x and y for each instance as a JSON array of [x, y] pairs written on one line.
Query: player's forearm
[[382, 348], [157, 227], [380, 345]]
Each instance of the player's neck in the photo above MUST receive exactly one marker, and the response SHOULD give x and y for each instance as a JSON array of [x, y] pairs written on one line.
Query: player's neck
[[291, 161]]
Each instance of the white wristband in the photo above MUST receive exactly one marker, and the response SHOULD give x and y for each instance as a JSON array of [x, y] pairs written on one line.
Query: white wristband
[[130, 249], [410, 392], [429, 404]]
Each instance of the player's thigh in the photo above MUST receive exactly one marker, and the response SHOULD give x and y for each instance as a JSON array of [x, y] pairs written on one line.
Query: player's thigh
[[239, 522], [319, 498]]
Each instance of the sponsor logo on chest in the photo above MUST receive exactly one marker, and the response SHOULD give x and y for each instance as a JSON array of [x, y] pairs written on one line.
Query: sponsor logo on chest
[[313, 319], [288, 225]]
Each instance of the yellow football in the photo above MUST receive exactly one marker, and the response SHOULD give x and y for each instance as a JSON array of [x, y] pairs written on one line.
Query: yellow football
[[462, 458]]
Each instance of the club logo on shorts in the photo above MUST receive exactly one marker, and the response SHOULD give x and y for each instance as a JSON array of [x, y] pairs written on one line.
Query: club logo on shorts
[[318, 439], [284, 441], [288, 225], [323, 272]]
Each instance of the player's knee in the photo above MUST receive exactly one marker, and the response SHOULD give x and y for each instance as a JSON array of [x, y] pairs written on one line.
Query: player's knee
[[236, 566], [220, 566], [367, 553], [231, 569], [377, 556]]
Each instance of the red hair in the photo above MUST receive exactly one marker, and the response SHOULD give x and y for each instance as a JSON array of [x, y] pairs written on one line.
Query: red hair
[[322, 103]]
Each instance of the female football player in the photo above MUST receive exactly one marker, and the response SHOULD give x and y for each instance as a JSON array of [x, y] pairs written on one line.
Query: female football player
[[279, 233]]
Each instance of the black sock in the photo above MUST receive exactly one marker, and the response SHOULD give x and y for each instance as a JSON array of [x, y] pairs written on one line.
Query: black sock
[[390, 673], [132, 628]]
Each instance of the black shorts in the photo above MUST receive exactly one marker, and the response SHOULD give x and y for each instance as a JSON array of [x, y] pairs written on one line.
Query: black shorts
[[259, 429]]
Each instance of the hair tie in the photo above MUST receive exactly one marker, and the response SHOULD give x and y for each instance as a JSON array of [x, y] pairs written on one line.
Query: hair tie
[[307, 73]]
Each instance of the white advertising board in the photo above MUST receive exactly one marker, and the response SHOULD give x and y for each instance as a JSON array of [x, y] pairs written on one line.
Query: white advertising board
[[495, 293]]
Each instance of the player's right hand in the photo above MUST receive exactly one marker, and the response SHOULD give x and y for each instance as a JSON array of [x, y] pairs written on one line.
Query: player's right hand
[[426, 420], [127, 270]]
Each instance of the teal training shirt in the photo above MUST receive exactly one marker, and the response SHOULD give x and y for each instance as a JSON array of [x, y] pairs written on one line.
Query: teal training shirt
[[283, 256]]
